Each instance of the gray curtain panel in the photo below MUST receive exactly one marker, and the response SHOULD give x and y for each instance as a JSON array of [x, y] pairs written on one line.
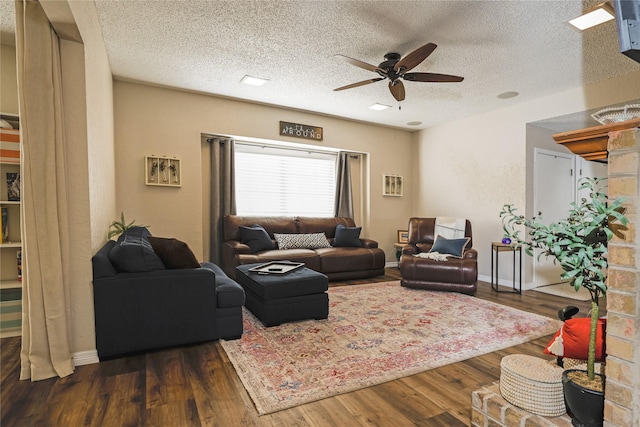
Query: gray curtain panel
[[344, 194], [223, 200]]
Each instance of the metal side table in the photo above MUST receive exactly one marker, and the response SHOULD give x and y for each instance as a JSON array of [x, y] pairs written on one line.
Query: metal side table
[[496, 248]]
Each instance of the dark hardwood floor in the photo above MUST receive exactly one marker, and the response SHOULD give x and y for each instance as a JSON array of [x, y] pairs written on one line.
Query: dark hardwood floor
[[197, 386]]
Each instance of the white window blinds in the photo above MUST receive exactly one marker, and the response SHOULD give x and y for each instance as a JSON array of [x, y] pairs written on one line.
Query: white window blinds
[[280, 181]]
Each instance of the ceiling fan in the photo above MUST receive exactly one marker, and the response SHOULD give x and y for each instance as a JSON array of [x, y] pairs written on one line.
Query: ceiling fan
[[395, 68]]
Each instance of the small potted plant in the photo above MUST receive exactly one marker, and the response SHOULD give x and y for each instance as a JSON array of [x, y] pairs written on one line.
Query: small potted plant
[[119, 227], [579, 245]]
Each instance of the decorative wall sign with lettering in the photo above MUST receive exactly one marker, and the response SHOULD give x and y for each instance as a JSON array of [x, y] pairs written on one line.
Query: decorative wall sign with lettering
[[301, 131]]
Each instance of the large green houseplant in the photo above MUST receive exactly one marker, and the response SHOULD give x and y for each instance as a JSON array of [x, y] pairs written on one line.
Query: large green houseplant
[[578, 244]]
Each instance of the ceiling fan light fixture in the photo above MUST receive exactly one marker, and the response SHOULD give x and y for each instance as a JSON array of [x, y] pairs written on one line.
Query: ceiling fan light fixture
[[592, 17], [253, 81], [379, 107]]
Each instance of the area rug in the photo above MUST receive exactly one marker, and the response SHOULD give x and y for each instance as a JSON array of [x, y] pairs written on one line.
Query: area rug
[[565, 290], [375, 333]]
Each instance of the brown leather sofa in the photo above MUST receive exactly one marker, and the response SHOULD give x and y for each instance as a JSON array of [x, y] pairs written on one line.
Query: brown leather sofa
[[457, 275], [337, 263]]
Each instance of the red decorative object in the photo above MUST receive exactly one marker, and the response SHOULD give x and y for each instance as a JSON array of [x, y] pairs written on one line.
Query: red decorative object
[[572, 340]]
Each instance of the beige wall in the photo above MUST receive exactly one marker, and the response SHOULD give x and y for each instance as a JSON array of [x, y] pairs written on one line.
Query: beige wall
[[95, 171], [481, 160], [159, 121], [8, 85]]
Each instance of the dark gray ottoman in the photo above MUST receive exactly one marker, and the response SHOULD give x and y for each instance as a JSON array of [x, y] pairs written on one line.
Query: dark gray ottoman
[[279, 298]]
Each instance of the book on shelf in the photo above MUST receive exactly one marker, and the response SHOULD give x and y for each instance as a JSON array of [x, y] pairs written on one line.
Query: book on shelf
[[13, 186], [10, 146], [19, 260], [4, 237]]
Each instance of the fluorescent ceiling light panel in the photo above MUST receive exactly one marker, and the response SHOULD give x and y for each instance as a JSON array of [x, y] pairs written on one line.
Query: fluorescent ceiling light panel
[[379, 107], [593, 17], [253, 81]]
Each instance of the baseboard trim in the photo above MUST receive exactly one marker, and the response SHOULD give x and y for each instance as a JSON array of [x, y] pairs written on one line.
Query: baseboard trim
[[393, 264], [85, 357], [507, 282]]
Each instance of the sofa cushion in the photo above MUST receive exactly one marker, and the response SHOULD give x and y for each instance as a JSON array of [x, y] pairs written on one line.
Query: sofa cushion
[[453, 247], [256, 237], [173, 252], [306, 225], [336, 260], [347, 237], [132, 253], [302, 241]]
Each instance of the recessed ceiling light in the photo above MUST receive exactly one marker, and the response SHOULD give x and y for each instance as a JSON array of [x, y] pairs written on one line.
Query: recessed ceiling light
[[253, 81], [379, 107], [509, 94], [414, 123], [592, 17]]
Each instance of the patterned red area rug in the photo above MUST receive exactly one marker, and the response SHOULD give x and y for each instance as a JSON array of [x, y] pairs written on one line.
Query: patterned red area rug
[[374, 334]]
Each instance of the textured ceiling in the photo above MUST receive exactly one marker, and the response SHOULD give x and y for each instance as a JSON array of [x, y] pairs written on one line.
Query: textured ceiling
[[498, 46]]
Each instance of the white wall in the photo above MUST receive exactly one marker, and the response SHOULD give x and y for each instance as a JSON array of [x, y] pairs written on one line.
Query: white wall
[[472, 167]]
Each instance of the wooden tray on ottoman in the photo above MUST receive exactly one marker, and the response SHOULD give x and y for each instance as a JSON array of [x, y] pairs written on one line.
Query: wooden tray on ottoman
[[277, 267], [278, 298]]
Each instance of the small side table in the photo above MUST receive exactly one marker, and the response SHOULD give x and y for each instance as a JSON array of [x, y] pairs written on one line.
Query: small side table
[[497, 247], [399, 247]]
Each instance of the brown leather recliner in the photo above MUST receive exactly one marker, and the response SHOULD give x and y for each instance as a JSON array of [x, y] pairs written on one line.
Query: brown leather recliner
[[455, 274]]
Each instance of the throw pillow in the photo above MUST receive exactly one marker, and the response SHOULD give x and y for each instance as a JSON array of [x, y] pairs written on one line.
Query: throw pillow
[[453, 247], [347, 237], [173, 253], [256, 237], [302, 241], [572, 340], [133, 253]]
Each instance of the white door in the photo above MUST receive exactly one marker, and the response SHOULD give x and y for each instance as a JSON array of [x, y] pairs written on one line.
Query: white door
[[591, 169], [553, 191]]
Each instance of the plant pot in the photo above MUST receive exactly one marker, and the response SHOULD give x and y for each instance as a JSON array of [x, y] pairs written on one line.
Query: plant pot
[[585, 406]]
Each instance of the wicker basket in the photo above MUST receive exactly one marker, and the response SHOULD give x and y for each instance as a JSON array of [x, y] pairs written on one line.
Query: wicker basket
[[532, 384]]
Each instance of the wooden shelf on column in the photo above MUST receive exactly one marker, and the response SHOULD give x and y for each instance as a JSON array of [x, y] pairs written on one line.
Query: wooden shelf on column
[[591, 143]]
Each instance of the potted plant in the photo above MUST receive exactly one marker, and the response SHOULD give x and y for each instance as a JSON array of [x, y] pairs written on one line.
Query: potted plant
[[119, 227], [579, 245]]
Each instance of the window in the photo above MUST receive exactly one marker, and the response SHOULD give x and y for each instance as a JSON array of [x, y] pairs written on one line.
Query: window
[[282, 181]]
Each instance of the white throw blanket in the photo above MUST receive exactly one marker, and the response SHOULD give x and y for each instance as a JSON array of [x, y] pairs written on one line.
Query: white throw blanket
[[433, 255], [450, 227]]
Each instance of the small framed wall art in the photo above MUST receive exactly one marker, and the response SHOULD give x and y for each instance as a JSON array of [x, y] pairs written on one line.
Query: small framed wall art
[[162, 171], [392, 185], [403, 236]]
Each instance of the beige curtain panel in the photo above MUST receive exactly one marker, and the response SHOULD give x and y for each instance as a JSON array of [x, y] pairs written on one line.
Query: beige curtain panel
[[46, 350]]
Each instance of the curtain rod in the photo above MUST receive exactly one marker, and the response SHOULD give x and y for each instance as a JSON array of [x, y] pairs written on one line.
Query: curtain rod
[[211, 137]]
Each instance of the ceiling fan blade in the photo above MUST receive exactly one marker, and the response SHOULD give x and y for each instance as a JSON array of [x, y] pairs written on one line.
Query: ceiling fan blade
[[365, 82], [358, 63], [397, 90], [414, 58], [431, 77]]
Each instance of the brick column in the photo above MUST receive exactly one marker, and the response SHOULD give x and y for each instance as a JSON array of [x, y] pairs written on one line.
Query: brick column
[[622, 390]]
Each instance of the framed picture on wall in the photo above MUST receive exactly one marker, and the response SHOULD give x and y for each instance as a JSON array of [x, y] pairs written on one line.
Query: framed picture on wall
[[392, 185], [403, 236]]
